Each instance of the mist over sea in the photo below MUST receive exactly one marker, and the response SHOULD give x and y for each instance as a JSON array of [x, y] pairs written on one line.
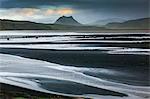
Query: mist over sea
[[92, 65]]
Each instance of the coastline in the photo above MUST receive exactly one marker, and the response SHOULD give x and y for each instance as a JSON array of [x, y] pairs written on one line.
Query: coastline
[[133, 64], [117, 68]]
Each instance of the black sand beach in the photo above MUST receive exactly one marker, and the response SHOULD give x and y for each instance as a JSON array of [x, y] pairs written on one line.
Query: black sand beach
[[78, 55], [137, 65]]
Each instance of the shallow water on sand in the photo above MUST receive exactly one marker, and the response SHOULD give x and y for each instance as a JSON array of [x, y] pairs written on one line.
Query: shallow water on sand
[[97, 65]]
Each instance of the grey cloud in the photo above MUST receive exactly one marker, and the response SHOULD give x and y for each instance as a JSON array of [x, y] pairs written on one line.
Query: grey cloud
[[119, 8]]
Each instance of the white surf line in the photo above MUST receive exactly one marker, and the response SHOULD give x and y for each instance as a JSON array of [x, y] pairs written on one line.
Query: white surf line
[[58, 47], [139, 51], [131, 37], [109, 50], [132, 49], [113, 40], [69, 41], [74, 38], [84, 79], [35, 33], [41, 39]]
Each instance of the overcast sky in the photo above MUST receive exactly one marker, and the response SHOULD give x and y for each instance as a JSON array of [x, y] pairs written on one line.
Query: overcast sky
[[85, 11]]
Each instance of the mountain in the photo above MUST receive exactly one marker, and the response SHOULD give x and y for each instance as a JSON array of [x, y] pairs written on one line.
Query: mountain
[[143, 23], [67, 21], [106, 21], [27, 25], [22, 25]]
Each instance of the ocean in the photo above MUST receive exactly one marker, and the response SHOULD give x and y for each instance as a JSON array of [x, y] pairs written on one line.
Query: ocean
[[91, 65]]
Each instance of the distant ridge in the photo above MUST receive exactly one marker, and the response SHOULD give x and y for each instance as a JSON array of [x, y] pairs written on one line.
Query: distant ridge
[[106, 21], [143, 23], [64, 20]]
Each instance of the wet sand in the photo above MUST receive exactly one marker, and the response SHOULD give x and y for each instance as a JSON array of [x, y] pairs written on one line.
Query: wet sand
[[137, 65], [127, 69]]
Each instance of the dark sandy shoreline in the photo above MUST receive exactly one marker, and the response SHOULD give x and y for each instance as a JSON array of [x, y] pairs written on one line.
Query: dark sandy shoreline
[[15, 91], [11, 92]]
